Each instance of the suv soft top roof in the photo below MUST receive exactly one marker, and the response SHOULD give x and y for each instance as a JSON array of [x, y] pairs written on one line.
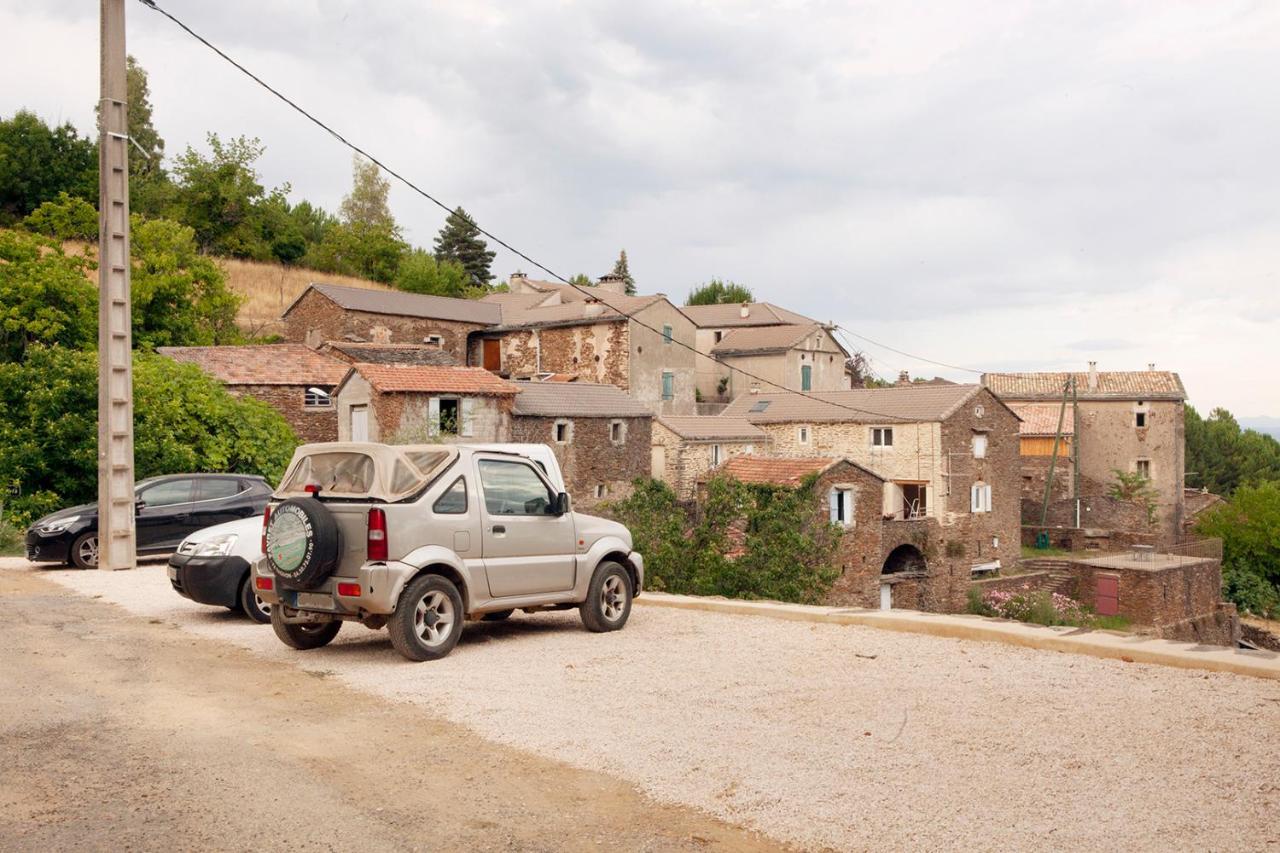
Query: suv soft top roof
[[364, 470]]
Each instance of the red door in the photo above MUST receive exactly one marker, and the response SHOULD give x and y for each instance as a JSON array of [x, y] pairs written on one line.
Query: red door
[[492, 355], [1107, 595]]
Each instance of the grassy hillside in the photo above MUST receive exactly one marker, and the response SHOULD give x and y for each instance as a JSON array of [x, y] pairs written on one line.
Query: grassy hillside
[[268, 289]]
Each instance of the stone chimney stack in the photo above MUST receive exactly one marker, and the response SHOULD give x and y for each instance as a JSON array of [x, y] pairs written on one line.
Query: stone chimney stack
[[745, 311], [613, 284], [904, 378], [519, 282], [1093, 376], [1151, 367]]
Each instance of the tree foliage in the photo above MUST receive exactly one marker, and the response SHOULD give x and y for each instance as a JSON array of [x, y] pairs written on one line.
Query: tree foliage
[[1249, 527], [787, 544], [460, 240], [180, 297], [420, 272], [37, 162], [45, 296], [67, 217], [367, 201], [1134, 488], [184, 421], [1222, 457], [620, 268], [148, 151], [717, 292]]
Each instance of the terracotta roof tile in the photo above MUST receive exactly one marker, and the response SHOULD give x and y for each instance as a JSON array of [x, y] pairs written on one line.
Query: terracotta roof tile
[[262, 364], [1112, 385], [777, 471], [418, 378], [1042, 419]]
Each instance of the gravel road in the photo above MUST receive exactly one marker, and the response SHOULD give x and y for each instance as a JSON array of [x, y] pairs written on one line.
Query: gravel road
[[823, 735]]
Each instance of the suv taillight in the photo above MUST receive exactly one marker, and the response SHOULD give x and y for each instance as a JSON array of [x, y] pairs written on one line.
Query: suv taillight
[[266, 516], [376, 544]]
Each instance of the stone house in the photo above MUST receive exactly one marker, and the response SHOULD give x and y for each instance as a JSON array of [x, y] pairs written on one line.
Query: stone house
[[293, 379], [368, 353], [1036, 435], [949, 455], [329, 312], [847, 495], [1123, 420], [631, 342], [713, 322], [410, 404], [600, 436], [770, 358], [687, 447]]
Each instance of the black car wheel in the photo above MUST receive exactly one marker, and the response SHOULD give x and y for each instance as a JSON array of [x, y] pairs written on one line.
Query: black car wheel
[[304, 635], [84, 551], [252, 606]]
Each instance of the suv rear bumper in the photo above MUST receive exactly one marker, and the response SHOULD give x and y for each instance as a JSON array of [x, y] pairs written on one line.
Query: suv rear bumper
[[377, 591]]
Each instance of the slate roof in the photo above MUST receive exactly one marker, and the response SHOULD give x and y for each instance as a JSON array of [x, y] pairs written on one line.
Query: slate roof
[[262, 364], [399, 303], [763, 339], [390, 353], [897, 404], [1042, 419], [729, 315], [1112, 385], [576, 400], [712, 427], [426, 379]]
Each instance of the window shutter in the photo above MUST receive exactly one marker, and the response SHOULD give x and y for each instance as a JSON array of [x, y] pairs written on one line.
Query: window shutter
[[468, 407], [975, 498], [433, 416], [847, 496], [986, 497], [892, 499], [834, 500]]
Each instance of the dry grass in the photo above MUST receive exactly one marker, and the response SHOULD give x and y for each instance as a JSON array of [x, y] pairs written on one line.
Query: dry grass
[[268, 289]]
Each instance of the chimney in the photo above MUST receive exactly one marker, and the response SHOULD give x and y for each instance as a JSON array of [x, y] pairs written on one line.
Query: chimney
[[613, 284], [1151, 367], [1093, 376], [745, 311], [519, 282], [904, 378]]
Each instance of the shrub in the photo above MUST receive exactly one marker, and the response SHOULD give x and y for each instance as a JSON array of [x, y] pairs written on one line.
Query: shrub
[[1037, 607], [66, 218]]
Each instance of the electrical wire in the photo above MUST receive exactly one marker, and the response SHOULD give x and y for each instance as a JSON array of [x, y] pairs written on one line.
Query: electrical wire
[[592, 293], [910, 355]]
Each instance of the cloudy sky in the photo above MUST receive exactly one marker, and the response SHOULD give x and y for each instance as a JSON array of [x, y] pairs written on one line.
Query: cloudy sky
[[1002, 186]]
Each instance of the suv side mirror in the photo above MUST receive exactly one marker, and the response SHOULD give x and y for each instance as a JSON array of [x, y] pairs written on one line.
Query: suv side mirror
[[561, 506]]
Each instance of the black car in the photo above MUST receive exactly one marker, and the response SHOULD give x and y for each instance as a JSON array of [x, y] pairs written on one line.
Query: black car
[[167, 509]]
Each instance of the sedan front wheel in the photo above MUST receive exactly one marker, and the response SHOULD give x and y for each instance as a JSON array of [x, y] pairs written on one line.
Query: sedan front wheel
[[84, 551]]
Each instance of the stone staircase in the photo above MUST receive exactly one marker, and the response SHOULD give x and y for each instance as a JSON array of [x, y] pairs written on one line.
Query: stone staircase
[[1061, 579]]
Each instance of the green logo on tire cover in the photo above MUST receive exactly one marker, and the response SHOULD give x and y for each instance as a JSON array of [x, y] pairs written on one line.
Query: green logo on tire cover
[[289, 539]]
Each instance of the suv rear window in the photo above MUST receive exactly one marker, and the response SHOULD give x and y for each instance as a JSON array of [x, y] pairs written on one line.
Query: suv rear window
[[339, 473]]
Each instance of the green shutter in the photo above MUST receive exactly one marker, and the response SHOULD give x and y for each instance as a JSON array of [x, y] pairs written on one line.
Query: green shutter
[[806, 377], [668, 385]]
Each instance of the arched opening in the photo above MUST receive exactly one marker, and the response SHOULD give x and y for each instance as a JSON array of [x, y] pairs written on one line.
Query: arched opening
[[904, 558]]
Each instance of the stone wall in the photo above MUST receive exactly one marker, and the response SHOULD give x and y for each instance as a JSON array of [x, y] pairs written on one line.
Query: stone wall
[[651, 356], [858, 558], [311, 424], [404, 417], [679, 462], [593, 353], [315, 319], [590, 459]]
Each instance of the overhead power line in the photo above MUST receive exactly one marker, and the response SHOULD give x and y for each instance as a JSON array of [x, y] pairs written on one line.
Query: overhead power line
[[911, 355], [592, 293]]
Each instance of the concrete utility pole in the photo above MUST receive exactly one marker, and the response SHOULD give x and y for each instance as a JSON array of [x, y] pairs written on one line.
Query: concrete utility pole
[[116, 544]]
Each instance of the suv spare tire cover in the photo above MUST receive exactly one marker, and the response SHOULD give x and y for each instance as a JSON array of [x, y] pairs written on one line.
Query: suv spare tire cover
[[302, 542]]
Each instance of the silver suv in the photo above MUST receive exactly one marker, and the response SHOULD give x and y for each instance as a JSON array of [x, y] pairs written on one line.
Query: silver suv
[[419, 538]]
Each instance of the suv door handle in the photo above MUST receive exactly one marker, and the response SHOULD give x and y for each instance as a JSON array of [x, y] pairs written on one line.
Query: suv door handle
[[499, 528]]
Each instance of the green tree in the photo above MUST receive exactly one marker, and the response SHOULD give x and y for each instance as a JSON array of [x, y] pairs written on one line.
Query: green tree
[[143, 133], [45, 296], [358, 249], [420, 272], [717, 292], [180, 297], [65, 218], [220, 197], [1221, 456], [37, 162], [367, 201], [1134, 488], [459, 240], [1249, 527], [582, 280], [620, 268], [185, 421]]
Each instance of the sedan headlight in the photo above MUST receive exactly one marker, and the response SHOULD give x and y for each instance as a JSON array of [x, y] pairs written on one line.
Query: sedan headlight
[[58, 524], [215, 546]]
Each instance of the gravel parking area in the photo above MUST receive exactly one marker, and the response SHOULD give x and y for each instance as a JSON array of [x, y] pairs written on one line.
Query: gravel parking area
[[835, 736]]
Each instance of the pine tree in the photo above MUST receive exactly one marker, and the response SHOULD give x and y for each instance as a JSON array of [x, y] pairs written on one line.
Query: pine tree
[[620, 268], [141, 130], [459, 240]]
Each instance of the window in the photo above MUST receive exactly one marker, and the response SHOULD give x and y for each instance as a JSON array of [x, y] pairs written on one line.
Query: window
[[1140, 417], [601, 490], [1143, 468], [802, 434], [562, 432], [317, 398], [980, 497], [434, 340], [882, 437], [448, 420], [760, 405], [715, 455], [666, 334], [668, 385], [841, 501], [980, 445], [719, 336], [806, 377], [618, 432], [512, 488], [216, 489], [167, 494], [453, 501], [979, 410]]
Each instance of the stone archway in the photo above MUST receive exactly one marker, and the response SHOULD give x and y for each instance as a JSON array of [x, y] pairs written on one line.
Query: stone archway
[[904, 558]]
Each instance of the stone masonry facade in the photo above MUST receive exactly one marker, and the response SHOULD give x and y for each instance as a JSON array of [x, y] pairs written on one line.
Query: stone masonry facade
[[595, 467], [312, 424]]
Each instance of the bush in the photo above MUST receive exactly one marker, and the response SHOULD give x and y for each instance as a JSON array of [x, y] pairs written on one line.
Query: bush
[[66, 218], [1250, 547], [45, 296], [1037, 607]]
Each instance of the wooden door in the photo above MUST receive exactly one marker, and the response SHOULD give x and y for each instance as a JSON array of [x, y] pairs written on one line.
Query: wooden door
[[1106, 599], [492, 355]]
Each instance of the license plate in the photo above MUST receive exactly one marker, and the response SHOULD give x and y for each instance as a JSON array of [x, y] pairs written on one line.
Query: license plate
[[173, 573], [313, 601]]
